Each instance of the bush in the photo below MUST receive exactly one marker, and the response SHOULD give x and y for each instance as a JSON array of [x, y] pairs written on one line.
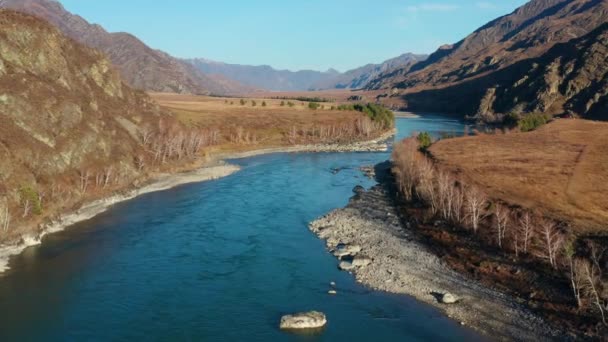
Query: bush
[[283, 104], [253, 103], [30, 195], [532, 121], [290, 104], [313, 105], [243, 102], [263, 103], [424, 140]]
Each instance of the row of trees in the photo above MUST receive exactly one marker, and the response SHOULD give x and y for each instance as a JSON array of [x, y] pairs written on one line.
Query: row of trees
[[362, 127], [514, 231]]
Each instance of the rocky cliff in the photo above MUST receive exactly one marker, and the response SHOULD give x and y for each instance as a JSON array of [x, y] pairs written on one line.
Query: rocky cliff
[[68, 125], [140, 66]]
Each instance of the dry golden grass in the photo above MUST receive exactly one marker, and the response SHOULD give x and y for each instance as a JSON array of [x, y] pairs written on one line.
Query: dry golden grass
[[560, 169], [270, 124]]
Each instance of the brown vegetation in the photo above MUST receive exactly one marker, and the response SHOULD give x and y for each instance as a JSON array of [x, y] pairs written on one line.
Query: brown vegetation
[[239, 124], [510, 236]]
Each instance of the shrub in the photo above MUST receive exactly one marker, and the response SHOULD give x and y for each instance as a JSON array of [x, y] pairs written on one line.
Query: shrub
[[30, 195], [263, 103], [424, 140], [283, 104], [290, 104], [253, 103], [313, 105], [532, 121], [243, 102]]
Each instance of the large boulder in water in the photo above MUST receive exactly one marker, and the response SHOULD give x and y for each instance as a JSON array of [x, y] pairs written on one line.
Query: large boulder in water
[[448, 298], [303, 320]]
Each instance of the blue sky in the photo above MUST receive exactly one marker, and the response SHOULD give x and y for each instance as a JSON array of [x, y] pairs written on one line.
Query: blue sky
[[294, 34]]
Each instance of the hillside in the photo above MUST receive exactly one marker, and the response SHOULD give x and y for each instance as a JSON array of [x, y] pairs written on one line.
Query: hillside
[[360, 77], [140, 66], [70, 129], [527, 33], [570, 77]]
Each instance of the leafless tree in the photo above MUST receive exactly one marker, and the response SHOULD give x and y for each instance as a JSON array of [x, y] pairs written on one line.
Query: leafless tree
[[591, 287], [292, 136], [146, 135], [5, 216], [525, 230], [27, 207], [575, 274], [140, 162], [84, 176], [501, 221], [551, 241], [597, 253], [475, 202]]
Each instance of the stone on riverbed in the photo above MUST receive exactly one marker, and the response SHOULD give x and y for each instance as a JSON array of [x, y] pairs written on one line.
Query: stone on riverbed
[[361, 261], [303, 320], [449, 298], [346, 250], [346, 266]]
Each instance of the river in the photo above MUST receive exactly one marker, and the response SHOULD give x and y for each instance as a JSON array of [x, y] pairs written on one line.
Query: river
[[218, 260]]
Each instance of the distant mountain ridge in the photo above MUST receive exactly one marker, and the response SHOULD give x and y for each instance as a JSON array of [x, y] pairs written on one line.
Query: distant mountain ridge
[[360, 77], [263, 76], [266, 77], [140, 66]]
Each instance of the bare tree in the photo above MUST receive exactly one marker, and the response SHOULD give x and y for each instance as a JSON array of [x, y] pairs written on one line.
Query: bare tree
[[525, 230], [597, 253], [591, 286], [501, 220], [475, 202], [5, 216], [140, 162], [575, 275], [84, 176], [551, 241]]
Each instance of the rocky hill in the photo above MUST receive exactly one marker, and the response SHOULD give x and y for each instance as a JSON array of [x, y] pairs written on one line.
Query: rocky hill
[[140, 66], [527, 33], [69, 127], [360, 77]]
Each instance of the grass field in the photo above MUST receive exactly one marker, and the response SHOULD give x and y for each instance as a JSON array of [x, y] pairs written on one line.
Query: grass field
[[561, 169], [269, 124]]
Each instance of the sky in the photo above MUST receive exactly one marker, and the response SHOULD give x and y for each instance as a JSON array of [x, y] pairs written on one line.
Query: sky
[[294, 34]]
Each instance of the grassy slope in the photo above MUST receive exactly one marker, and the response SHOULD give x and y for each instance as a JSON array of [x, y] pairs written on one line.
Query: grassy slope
[[562, 168]]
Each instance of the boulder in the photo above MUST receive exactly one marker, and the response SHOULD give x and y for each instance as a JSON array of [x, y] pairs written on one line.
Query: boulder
[[361, 261], [358, 189], [304, 320], [332, 292], [346, 266], [448, 298], [346, 250]]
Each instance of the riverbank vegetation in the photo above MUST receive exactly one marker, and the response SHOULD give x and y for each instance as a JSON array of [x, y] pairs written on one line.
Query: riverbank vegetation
[[279, 122], [545, 255]]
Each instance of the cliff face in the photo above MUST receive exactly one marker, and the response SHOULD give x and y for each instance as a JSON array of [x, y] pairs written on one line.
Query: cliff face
[[508, 42], [140, 66], [63, 110]]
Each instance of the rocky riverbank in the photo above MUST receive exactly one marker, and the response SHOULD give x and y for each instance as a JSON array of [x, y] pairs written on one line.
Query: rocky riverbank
[[385, 254]]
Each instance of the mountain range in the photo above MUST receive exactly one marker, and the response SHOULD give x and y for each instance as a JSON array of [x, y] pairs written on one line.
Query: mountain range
[[266, 77], [517, 63]]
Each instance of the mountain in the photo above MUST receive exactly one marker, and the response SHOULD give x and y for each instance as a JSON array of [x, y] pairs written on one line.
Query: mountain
[[264, 76], [527, 33], [360, 77], [140, 66], [63, 110]]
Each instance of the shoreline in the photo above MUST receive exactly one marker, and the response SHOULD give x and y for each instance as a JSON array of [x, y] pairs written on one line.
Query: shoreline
[[386, 255], [215, 169]]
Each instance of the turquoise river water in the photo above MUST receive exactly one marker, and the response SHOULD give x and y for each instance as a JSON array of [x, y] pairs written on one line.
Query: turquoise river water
[[214, 261]]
